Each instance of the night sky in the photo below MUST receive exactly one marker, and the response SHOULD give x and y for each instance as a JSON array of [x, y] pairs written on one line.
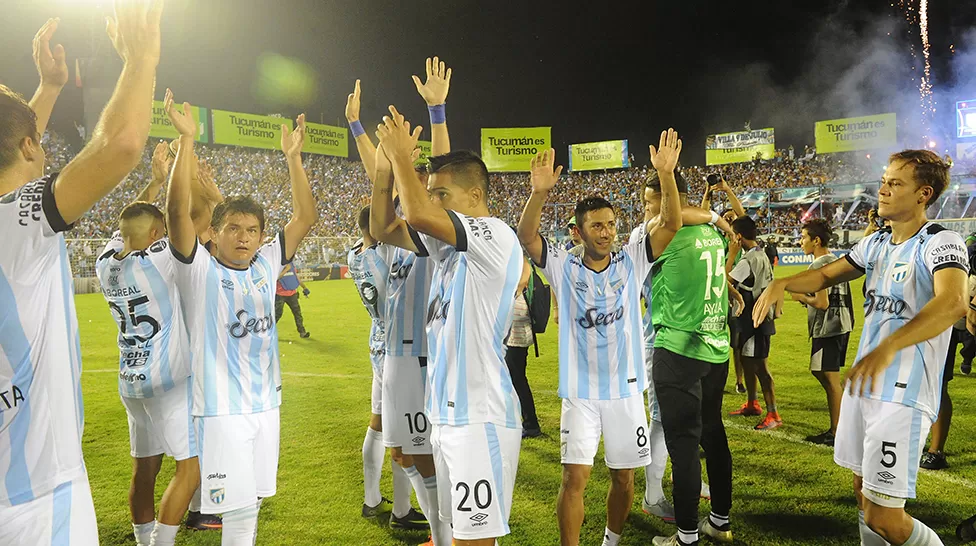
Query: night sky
[[598, 71]]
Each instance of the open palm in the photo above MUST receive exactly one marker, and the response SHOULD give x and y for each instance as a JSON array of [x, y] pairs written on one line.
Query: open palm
[[438, 83], [665, 157], [543, 171], [182, 121]]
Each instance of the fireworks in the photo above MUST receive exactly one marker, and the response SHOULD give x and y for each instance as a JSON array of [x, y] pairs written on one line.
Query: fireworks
[[920, 16]]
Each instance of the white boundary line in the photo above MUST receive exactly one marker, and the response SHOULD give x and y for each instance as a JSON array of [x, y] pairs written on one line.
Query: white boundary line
[[779, 435]]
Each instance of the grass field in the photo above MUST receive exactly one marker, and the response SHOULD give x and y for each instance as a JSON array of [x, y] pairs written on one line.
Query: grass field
[[786, 492]]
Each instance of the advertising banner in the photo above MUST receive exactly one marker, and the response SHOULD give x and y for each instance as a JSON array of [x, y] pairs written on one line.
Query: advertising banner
[[425, 152], [326, 140], [251, 130], [162, 128], [739, 147], [852, 134], [511, 149], [591, 156]]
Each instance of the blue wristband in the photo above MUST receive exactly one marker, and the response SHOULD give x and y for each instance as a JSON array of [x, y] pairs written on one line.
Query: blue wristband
[[438, 114], [357, 129]]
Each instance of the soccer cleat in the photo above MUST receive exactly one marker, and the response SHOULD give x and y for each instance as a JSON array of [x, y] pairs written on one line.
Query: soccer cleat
[[203, 522], [531, 432], [934, 461], [718, 534], [771, 421], [966, 531], [825, 439], [373, 511], [966, 367], [748, 409], [740, 388], [662, 509], [412, 521], [672, 540], [304, 335]]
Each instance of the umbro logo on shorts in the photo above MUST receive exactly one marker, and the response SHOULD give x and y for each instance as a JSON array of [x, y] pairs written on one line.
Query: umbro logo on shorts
[[418, 440], [887, 477], [644, 452], [479, 517]]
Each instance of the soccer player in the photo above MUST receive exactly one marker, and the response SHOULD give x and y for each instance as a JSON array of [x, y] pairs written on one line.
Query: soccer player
[[915, 289], [286, 292], [234, 342], [751, 276], [601, 364], [137, 277], [45, 497], [691, 352], [471, 403], [406, 430], [830, 319], [370, 270]]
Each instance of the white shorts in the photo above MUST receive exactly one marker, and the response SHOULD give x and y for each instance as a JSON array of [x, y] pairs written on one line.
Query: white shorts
[[162, 424], [238, 459], [621, 422], [404, 423], [651, 396], [882, 443], [476, 466], [376, 396], [63, 516]]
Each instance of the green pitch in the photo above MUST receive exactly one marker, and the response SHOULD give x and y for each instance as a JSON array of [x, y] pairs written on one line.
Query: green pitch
[[786, 492]]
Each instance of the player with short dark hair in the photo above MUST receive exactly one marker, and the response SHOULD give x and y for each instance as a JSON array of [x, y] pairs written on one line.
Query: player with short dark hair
[[915, 289], [830, 319], [45, 497]]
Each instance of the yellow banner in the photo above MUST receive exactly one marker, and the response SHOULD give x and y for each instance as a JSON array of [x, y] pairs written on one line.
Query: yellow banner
[[326, 140], [511, 149], [610, 154], [740, 146], [860, 133], [250, 130], [162, 128], [425, 152]]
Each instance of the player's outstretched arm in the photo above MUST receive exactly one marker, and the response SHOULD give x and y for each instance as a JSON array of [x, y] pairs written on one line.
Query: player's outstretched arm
[[937, 316], [53, 70], [367, 151], [807, 282], [434, 92], [665, 159], [161, 164], [304, 209], [182, 235], [734, 202], [204, 197], [119, 137], [384, 225], [543, 177], [398, 142]]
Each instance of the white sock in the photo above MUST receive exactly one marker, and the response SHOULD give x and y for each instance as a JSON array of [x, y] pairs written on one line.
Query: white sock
[[868, 537], [401, 490], [143, 532], [164, 535], [718, 521], [654, 471], [257, 508], [923, 536], [373, 453], [195, 501], [688, 537], [610, 538], [239, 527], [440, 531], [421, 489]]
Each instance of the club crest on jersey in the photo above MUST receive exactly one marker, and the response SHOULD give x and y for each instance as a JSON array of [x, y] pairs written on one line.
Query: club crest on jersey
[[217, 495], [900, 271], [260, 283]]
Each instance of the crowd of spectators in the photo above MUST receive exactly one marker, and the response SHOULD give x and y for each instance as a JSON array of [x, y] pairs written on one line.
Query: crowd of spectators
[[339, 183]]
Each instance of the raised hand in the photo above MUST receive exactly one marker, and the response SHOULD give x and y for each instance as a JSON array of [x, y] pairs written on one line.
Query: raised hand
[[161, 162], [182, 121], [383, 164], [208, 187], [352, 105], [292, 141], [50, 63], [395, 136], [544, 173], [665, 158], [134, 30], [434, 91]]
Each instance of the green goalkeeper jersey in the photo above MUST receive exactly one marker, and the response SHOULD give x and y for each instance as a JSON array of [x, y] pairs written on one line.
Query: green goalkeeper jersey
[[689, 296]]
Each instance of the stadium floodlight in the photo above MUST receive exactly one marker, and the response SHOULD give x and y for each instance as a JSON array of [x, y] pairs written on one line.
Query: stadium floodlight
[[971, 120], [932, 144]]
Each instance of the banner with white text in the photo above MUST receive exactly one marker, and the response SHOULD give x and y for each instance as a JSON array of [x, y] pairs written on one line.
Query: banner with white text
[[162, 128], [591, 156], [861, 133], [251, 130], [739, 147], [511, 149]]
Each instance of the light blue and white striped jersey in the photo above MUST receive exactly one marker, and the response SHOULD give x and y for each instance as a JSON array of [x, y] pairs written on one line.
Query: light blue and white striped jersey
[[601, 354], [154, 347], [899, 282], [472, 302], [370, 272], [410, 277], [41, 410], [636, 235], [230, 315]]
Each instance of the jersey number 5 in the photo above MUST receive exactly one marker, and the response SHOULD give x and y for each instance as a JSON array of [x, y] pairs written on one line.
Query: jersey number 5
[[135, 320], [719, 267]]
